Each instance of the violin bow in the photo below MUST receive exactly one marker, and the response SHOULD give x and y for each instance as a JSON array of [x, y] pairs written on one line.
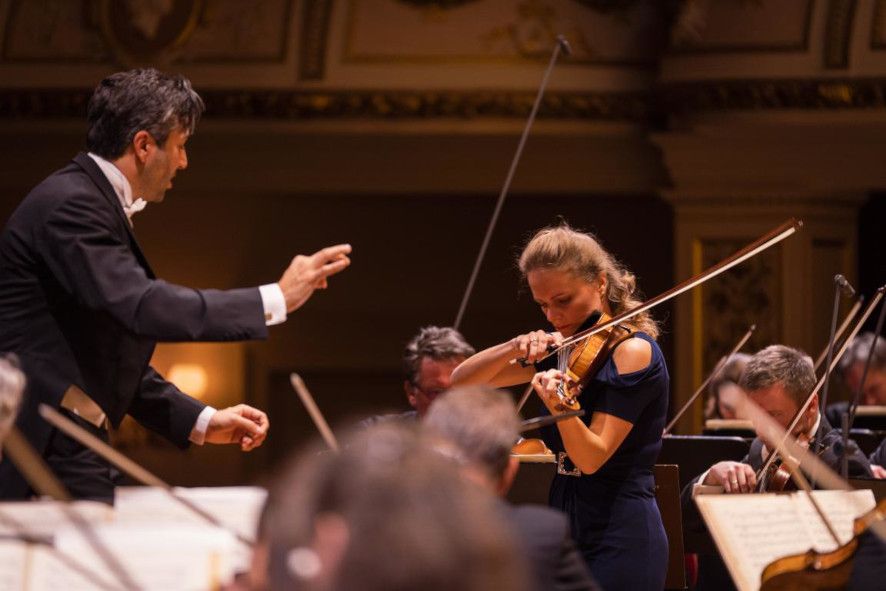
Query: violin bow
[[853, 407], [717, 370], [789, 449], [525, 397], [64, 424], [561, 46], [40, 477], [770, 239], [867, 312], [546, 420], [846, 321], [301, 389], [841, 288]]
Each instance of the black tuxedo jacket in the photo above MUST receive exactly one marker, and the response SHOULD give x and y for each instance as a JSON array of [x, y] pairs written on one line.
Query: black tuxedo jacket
[[542, 534], [80, 305]]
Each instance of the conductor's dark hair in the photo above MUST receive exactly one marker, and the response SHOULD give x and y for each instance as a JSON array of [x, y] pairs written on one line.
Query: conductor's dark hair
[[145, 99]]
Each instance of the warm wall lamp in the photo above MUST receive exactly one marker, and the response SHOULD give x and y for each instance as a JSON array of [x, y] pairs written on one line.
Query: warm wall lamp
[[191, 378]]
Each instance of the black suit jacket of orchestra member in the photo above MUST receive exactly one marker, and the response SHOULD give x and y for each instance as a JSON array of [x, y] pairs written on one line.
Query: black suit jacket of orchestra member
[[879, 455], [545, 540], [712, 571], [79, 304]]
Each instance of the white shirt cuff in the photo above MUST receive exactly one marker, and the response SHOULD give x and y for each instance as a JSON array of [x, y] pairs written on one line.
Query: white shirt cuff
[[198, 433], [705, 489], [274, 304]]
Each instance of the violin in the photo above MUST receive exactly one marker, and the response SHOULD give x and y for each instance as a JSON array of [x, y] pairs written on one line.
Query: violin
[[776, 478], [582, 361], [820, 570]]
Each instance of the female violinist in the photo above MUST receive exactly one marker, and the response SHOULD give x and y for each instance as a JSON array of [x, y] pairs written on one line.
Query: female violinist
[[604, 479]]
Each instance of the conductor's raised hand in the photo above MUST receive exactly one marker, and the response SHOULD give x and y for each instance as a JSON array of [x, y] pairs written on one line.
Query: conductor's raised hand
[[307, 273], [240, 424]]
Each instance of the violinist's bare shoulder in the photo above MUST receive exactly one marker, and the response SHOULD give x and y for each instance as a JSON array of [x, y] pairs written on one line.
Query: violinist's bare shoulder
[[632, 355]]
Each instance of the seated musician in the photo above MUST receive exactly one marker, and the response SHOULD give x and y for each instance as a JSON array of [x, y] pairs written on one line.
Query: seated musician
[[12, 384], [428, 361], [482, 425], [779, 379], [851, 368], [724, 394], [878, 460]]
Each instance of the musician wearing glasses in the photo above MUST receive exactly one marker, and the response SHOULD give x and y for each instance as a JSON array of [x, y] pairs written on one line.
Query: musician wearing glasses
[[604, 481], [428, 361]]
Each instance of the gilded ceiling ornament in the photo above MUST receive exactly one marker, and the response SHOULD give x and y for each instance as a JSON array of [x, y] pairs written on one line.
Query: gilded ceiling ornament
[[608, 5], [437, 3], [147, 31]]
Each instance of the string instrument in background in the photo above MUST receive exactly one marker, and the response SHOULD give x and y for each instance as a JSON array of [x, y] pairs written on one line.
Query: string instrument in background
[[813, 570]]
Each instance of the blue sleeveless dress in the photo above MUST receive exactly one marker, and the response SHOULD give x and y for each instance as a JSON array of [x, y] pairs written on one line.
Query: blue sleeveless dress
[[613, 513]]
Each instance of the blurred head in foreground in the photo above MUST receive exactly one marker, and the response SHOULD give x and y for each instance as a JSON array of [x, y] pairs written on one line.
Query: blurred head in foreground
[[483, 425], [388, 513]]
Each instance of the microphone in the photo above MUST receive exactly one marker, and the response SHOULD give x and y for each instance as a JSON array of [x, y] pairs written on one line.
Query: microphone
[[844, 286], [564, 45]]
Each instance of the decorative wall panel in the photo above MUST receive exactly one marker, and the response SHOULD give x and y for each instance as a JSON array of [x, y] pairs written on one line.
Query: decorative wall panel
[[51, 31], [741, 26], [502, 30], [729, 304]]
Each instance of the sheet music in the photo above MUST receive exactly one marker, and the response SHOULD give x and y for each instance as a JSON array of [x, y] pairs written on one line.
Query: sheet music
[[236, 507], [13, 561], [753, 530], [159, 542], [162, 557], [43, 518]]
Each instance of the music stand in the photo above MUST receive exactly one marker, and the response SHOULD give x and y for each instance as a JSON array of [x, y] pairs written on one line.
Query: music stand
[[696, 453], [667, 495]]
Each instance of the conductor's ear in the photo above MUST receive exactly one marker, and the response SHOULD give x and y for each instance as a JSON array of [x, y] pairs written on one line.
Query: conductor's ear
[[141, 144]]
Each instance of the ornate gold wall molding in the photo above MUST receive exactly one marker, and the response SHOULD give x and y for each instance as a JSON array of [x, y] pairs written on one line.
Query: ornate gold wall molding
[[285, 104], [825, 93]]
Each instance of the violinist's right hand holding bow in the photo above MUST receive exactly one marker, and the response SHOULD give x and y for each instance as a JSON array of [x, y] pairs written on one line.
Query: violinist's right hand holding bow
[[734, 477], [534, 346], [495, 366]]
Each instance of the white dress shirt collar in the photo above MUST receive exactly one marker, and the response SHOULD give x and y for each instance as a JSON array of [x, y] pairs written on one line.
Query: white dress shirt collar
[[121, 186]]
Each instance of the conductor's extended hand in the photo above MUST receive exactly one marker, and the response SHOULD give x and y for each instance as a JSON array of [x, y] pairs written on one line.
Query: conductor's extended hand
[[238, 424], [307, 273]]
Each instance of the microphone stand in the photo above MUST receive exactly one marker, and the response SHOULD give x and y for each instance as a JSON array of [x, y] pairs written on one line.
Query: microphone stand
[[849, 416], [841, 287]]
